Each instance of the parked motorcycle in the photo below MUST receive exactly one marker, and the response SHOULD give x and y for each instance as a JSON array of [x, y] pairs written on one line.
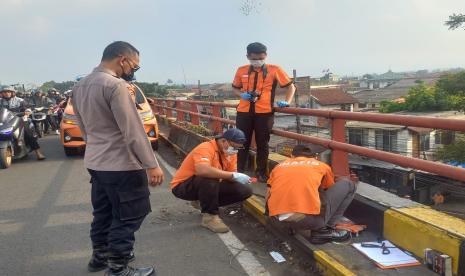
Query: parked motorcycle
[[39, 118], [12, 144]]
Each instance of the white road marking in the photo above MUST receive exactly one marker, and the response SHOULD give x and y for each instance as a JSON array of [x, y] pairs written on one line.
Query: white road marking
[[243, 256]]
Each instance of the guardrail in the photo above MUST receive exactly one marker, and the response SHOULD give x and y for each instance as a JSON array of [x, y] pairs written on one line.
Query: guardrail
[[338, 145]]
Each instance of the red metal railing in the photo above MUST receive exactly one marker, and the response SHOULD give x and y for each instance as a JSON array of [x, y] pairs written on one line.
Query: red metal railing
[[338, 145]]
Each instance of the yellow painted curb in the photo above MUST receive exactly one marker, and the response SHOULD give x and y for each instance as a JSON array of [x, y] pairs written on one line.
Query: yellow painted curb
[[328, 266], [405, 228], [254, 207], [325, 263]]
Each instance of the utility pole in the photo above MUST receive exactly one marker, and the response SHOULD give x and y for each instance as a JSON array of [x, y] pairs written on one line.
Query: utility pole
[[297, 104]]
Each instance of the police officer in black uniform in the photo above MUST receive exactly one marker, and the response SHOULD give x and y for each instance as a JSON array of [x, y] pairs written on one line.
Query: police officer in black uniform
[[119, 158]]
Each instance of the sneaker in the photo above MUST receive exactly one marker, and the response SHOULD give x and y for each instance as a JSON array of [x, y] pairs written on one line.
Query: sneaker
[[196, 204], [214, 223], [130, 271], [328, 234], [57, 132]]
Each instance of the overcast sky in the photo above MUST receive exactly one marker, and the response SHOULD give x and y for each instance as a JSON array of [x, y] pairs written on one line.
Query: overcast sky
[[59, 39]]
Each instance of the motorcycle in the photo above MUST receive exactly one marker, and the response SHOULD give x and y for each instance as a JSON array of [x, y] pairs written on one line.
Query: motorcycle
[[56, 115], [39, 118], [12, 144]]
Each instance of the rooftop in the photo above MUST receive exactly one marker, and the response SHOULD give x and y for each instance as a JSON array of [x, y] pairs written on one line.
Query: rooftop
[[332, 96]]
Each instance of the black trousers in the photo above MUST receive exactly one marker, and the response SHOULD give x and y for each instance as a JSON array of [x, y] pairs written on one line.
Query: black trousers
[[121, 201], [262, 124], [30, 138], [334, 202], [211, 192]]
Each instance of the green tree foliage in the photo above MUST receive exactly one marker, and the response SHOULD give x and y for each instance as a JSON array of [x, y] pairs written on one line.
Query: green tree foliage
[[389, 107], [421, 98], [455, 21], [454, 152], [447, 94], [452, 87], [60, 86], [152, 89]]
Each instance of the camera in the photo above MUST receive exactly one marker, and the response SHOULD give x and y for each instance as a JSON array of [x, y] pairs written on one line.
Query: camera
[[255, 96]]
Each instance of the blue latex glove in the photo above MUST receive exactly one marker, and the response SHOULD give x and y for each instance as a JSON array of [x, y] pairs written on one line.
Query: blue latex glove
[[241, 178], [246, 96], [283, 104]]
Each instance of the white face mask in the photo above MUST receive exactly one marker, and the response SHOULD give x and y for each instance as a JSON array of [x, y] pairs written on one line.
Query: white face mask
[[257, 63], [231, 151]]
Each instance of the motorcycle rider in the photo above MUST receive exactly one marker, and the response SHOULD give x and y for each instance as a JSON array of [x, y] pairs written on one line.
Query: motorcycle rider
[[15, 104], [41, 100], [10, 101], [28, 102]]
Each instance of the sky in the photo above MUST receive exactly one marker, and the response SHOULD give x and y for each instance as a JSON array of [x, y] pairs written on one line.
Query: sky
[[188, 40]]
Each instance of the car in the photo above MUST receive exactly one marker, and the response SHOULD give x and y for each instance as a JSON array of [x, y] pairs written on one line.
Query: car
[[71, 136]]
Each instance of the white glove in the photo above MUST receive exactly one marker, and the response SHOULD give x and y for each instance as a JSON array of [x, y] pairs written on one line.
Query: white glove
[[241, 178]]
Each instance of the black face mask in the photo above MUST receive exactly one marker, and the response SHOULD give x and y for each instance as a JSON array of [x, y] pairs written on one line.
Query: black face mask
[[128, 77]]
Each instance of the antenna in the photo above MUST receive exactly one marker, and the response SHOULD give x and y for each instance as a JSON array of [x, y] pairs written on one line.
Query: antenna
[[184, 74]]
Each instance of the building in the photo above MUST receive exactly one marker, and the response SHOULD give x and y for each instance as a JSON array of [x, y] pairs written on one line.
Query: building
[[380, 81], [409, 141], [370, 99]]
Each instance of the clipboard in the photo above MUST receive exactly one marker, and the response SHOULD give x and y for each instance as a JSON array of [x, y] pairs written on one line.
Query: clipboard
[[396, 257]]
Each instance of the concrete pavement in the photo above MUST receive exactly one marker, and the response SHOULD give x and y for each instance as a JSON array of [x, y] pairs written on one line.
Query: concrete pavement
[[45, 214]]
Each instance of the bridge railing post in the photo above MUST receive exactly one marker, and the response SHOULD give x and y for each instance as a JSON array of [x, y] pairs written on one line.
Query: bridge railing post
[[169, 112], [195, 120], [179, 114], [339, 159], [217, 126]]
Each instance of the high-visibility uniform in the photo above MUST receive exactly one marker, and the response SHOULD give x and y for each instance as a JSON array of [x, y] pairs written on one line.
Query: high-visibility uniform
[[205, 153], [294, 186], [263, 81]]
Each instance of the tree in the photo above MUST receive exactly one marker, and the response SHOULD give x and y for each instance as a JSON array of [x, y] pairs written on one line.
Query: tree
[[421, 98], [452, 88], [389, 107], [60, 86], [454, 152], [455, 21]]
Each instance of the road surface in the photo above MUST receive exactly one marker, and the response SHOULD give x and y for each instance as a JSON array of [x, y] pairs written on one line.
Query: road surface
[[45, 214]]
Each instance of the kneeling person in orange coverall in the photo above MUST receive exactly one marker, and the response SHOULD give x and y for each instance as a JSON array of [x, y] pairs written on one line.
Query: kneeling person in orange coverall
[[209, 175], [302, 193]]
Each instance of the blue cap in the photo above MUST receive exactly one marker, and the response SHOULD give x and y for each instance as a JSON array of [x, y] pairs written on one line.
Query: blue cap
[[234, 135]]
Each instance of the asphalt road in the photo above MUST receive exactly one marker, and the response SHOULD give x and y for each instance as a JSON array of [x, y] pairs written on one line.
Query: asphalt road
[[45, 214]]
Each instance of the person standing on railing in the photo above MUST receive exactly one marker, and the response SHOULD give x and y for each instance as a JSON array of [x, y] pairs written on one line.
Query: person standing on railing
[[208, 178], [119, 158], [303, 193], [255, 84]]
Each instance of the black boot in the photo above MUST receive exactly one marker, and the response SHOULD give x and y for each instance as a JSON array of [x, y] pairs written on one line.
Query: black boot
[[118, 266], [99, 258], [328, 234]]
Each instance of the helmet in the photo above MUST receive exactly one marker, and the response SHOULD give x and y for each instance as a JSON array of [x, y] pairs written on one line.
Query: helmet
[[8, 88]]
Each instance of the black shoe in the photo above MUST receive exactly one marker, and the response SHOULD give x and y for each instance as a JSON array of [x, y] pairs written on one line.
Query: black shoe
[[262, 177], [131, 257], [99, 261], [328, 234], [130, 271]]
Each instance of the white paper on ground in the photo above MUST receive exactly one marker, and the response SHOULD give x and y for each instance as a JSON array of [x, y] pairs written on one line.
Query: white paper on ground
[[277, 257], [395, 258]]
